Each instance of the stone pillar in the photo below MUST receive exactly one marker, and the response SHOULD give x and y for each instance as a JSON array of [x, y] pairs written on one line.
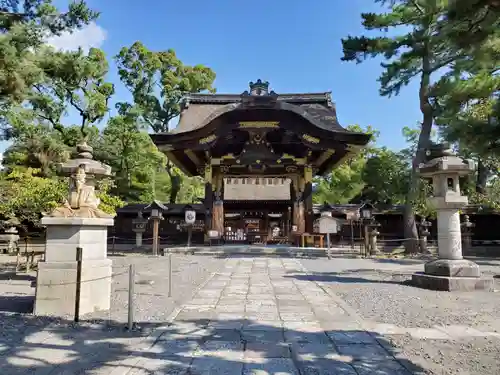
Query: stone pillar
[[450, 271], [77, 223], [449, 233], [138, 239], [56, 276]]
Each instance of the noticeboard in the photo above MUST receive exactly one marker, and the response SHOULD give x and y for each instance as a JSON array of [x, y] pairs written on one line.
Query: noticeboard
[[328, 224]]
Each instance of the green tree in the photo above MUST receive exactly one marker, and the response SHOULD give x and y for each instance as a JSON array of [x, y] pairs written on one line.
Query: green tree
[[418, 50], [158, 81], [24, 196], [470, 22], [346, 181], [24, 27], [386, 176], [133, 157]]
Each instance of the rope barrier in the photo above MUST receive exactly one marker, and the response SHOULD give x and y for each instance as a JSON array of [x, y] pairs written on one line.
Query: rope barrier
[[87, 281], [396, 240]]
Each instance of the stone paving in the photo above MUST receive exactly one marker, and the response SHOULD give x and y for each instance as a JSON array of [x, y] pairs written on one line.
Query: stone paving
[[254, 316], [251, 318]]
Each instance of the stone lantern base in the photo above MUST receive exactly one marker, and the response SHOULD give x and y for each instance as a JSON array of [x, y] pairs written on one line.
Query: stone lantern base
[[56, 279], [452, 275]]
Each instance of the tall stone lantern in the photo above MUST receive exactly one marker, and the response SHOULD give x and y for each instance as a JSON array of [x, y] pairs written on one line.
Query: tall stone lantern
[[450, 271], [139, 227], [77, 223]]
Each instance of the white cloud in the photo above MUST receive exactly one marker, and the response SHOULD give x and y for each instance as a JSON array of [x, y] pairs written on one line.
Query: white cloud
[[89, 36]]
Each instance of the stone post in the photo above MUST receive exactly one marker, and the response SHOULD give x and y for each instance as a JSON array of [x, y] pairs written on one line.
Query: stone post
[[450, 271], [77, 223], [139, 227]]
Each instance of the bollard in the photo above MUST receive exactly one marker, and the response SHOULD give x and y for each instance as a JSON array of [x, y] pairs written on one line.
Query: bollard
[[328, 245], [79, 252], [170, 274], [131, 285]]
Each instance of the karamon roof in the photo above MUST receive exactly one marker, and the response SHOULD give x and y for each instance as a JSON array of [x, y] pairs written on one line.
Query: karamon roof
[[199, 107]]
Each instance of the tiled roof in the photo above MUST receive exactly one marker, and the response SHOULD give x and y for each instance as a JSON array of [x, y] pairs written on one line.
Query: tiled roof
[[199, 107]]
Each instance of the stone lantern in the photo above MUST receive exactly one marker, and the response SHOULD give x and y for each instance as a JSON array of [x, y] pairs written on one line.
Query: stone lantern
[[157, 208], [77, 223], [467, 226], [190, 219], [139, 227], [365, 214], [450, 271], [9, 238], [424, 226], [373, 227]]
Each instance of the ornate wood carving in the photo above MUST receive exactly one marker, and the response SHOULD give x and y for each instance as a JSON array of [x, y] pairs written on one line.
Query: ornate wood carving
[[259, 124], [208, 139], [310, 138]]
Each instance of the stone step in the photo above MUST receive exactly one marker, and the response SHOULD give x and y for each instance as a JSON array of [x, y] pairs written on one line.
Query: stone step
[[259, 250]]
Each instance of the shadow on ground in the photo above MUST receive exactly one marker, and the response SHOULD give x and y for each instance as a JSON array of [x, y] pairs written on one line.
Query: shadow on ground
[[352, 277], [40, 345]]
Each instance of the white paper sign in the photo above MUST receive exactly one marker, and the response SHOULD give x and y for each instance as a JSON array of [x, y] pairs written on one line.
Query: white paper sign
[[327, 224], [190, 217]]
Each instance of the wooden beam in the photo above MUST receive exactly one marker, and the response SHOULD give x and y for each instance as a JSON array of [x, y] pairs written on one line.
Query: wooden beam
[[170, 155], [327, 154], [194, 158]]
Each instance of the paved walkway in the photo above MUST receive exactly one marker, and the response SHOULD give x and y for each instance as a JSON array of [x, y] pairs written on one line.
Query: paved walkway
[[255, 318]]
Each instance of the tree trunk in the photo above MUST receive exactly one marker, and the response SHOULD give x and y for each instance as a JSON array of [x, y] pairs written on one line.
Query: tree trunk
[[175, 183], [410, 225], [482, 177]]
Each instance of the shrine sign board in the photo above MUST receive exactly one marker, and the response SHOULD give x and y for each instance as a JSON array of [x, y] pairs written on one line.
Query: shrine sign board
[[328, 224]]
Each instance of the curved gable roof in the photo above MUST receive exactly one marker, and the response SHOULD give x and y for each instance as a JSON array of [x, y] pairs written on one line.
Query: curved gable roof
[[201, 109]]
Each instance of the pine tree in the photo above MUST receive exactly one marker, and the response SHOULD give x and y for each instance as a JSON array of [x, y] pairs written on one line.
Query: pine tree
[[419, 51]]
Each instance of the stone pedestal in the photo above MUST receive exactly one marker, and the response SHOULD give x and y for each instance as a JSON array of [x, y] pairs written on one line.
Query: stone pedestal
[[56, 279]]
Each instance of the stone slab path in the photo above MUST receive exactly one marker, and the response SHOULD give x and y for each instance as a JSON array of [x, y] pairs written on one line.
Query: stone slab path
[[253, 317]]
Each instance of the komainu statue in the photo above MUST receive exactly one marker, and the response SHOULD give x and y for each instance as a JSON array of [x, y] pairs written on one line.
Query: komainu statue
[[82, 200]]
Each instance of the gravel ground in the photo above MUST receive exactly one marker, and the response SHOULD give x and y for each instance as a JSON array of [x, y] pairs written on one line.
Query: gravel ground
[[152, 304], [376, 291], [470, 356]]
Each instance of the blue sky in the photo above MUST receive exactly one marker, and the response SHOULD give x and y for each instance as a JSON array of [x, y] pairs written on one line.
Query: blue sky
[[292, 44]]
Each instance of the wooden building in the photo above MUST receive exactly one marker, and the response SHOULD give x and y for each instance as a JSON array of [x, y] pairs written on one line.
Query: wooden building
[[258, 153]]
